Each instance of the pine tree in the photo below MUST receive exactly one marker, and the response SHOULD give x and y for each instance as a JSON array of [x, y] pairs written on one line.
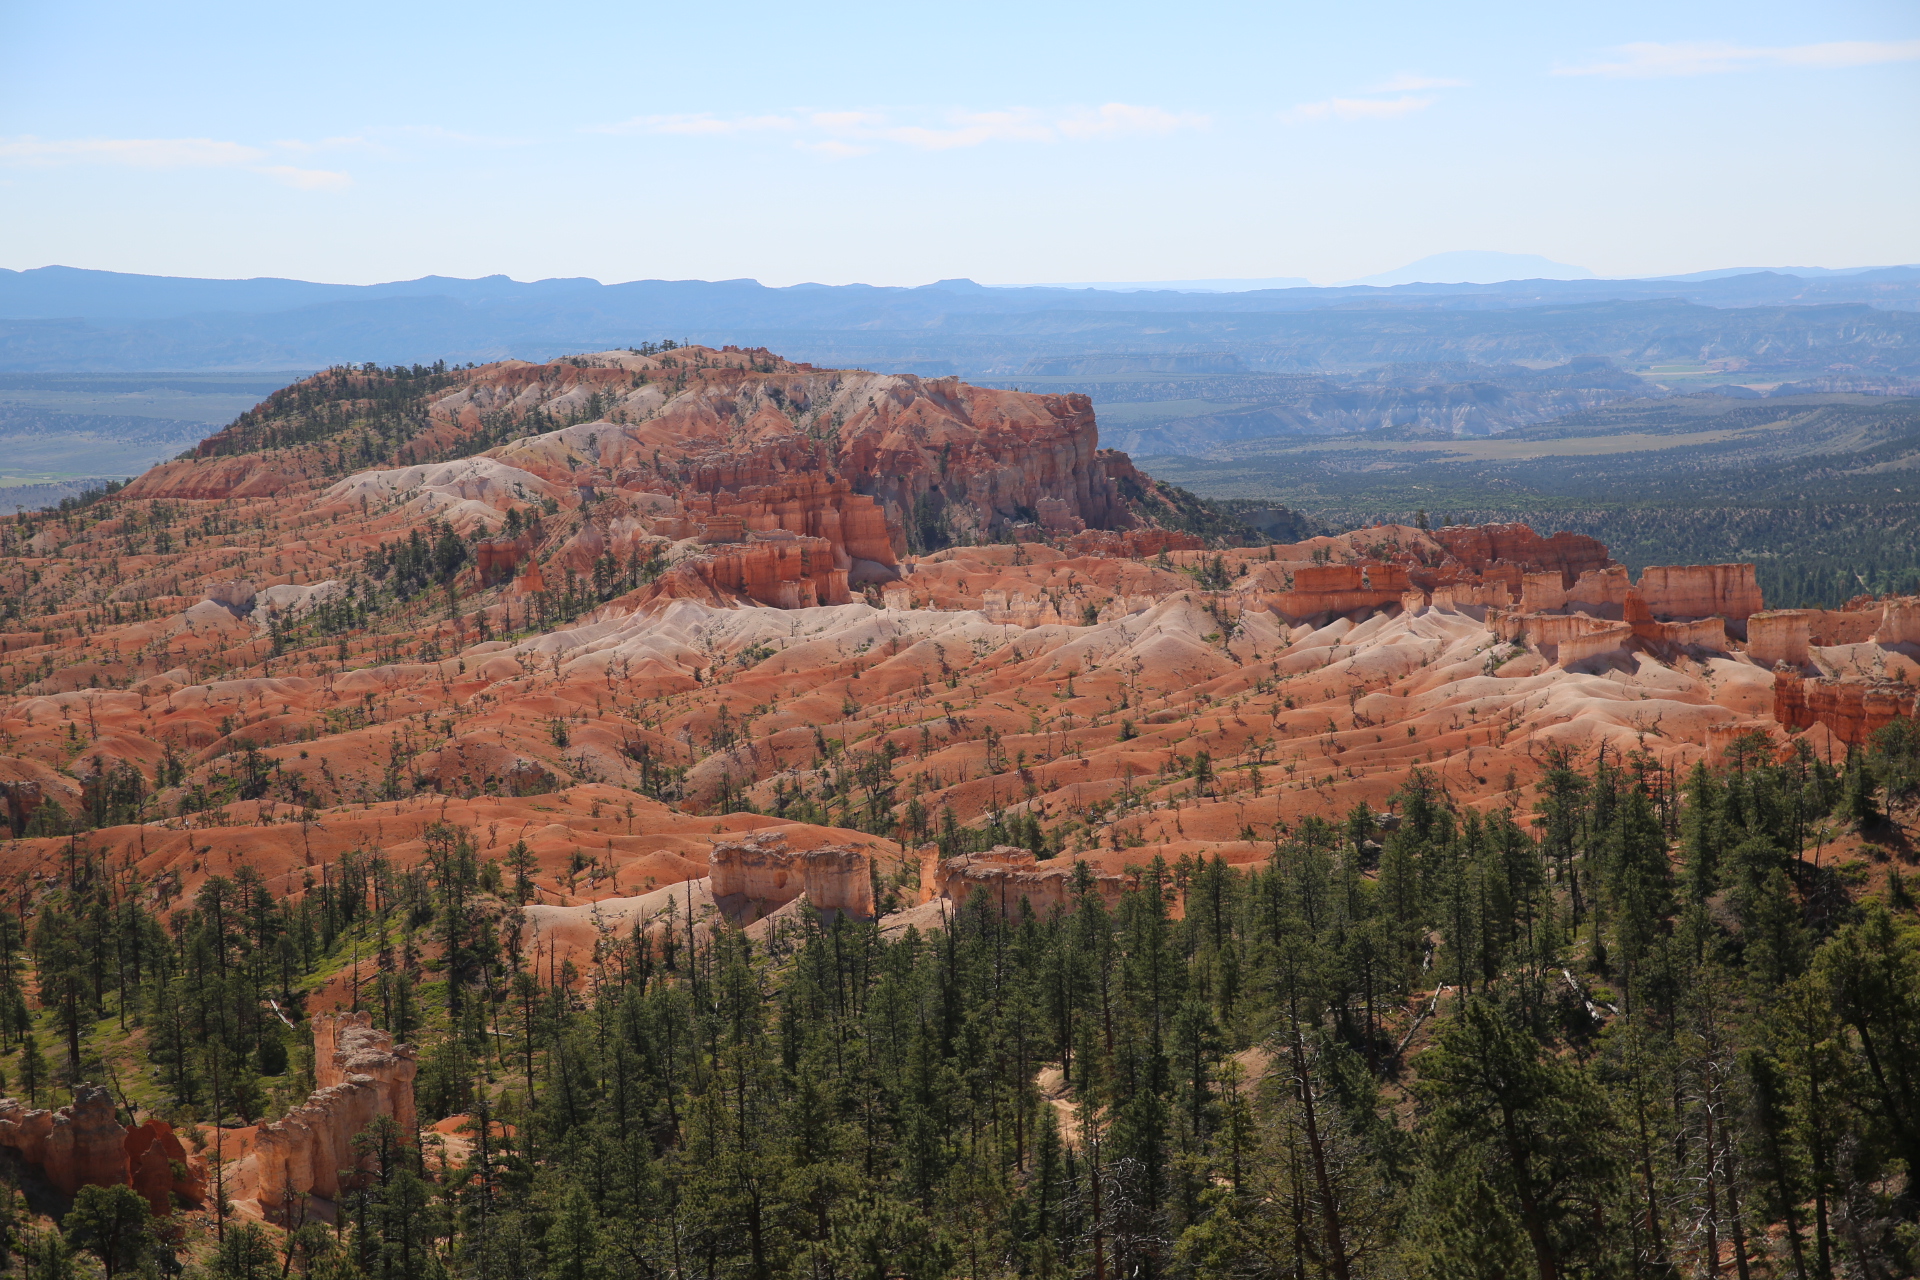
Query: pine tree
[[1516, 1139]]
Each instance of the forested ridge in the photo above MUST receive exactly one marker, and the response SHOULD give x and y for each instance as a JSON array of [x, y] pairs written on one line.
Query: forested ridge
[[1667, 1029], [1811, 490]]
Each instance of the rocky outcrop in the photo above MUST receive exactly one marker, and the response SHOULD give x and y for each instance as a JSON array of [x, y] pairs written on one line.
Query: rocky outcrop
[[1011, 877], [1779, 635], [1701, 590], [1568, 638], [1852, 710], [26, 784], [727, 424], [810, 506], [1320, 591], [362, 1075], [782, 570], [1480, 548], [251, 475], [158, 1168], [235, 597], [1790, 635], [1899, 622], [1459, 596], [87, 1144], [760, 870], [1129, 544], [25, 1130], [496, 559], [1019, 609], [1603, 640], [84, 1144], [79, 1145]]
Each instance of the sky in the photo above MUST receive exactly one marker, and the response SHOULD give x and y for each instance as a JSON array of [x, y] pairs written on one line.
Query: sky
[[902, 143]]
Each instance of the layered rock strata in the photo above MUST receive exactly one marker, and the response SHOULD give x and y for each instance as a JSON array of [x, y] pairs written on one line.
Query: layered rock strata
[[362, 1075], [84, 1144], [782, 570], [1728, 591], [158, 1167], [1481, 548], [762, 871], [1852, 710], [1012, 878], [1777, 636]]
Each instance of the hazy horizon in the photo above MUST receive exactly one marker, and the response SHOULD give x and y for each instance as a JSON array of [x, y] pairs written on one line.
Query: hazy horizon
[[871, 144]]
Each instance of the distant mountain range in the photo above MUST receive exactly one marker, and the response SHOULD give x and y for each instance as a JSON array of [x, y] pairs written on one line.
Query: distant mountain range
[[64, 318], [1477, 266], [1462, 267]]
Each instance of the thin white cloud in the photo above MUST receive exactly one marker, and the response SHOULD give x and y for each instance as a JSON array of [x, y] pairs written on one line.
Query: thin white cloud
[[842, 134], [701, 125], [306, 179], [303, 146], [1404, 83], [971, 129], [834, 149], [141, 153], [167, 153], [391, 142], [1357, 109], [1119, 118], [1713, 57], [842, 121]]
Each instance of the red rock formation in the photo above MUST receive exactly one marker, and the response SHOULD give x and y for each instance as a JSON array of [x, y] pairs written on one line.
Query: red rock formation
[[1721, 737], [1701, 590], [809, 506], [985, 454], [250, 475], [362, 1075], [1899, 622], [1852, 710], [1130, 544], [82, 1144], [982, 458], [1471, 595], [87, 1146], [761, 870], [1481, 548], [1012, 876], [498, 558], [1834, 627], [158, 1167], [24, 1129], [1779, 635], [25, 785], [787, 573]]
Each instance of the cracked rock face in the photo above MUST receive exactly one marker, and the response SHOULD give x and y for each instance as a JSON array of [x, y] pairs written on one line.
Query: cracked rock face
[[761, 870], [362, 1075], [81, 1144]]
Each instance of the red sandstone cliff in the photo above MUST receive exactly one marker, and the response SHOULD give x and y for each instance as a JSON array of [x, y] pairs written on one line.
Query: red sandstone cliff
[[158, 1167], [362, 1075], [1851, 709], [84, 1144], [1011, 877], [1481, 548], [761, 870]]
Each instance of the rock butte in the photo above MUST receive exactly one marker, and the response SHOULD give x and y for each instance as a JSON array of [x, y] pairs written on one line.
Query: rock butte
[[759, 870], [362, 1075], [84, 1144], [764, 610]]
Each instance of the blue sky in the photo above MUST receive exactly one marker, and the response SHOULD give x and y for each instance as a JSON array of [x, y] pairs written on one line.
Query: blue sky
[[899, 143]]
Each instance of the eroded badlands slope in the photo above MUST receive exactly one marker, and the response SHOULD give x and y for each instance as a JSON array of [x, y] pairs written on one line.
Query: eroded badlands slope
[[624, 606]]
